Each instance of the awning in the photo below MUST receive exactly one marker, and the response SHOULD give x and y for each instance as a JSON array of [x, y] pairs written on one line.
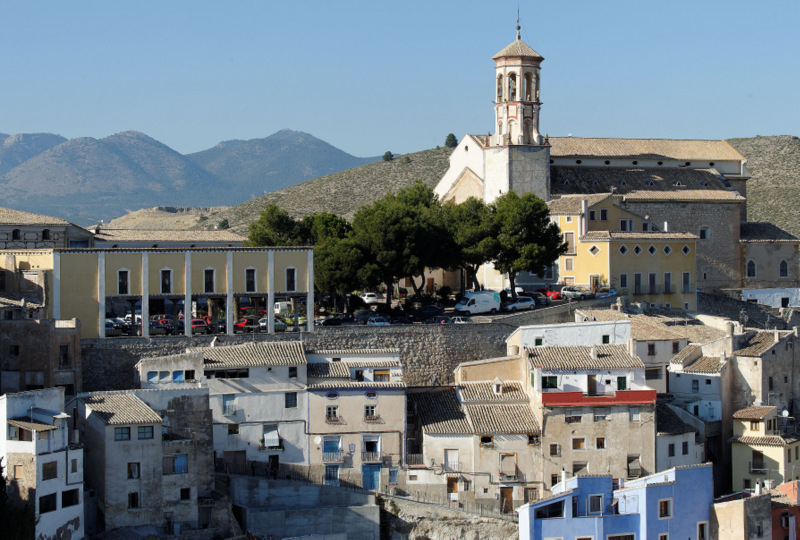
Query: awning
[[271, 437]]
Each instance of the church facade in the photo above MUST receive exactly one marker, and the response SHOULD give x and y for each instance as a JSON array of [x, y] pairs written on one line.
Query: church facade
[[695, 189]]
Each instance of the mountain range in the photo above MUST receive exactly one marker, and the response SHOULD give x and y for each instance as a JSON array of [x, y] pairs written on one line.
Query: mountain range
[[85, 180]]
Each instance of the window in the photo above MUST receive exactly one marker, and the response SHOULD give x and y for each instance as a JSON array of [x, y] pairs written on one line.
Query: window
[[606, 339], [359, 375], [595, 504], [549, 382], [393, 476], [754, 425], [675, 347], [49, 470], [331, 475], [592, 215], [578, 443], [332, 413], [633, 414], [600, 443], [664, 508], [579, 467], [48, 503], [19, 472], [122, 434], [178, 464], [290, 400], [651, 349], [46, 234], [600, 414], [133, 500], [228, 404], [751, 269], [63, 356], [292, 372], [653, 284], [555, 450], [637, 282], [671, 450], [381, 376], [695, 386], [145, 432], [553, 479], [122, 282], [538, 342], [250, 280], [663, 536], [369, 411], [653, 374], [15, 234], [622, 383], [534, 440], [166, 281], [233, 429], [784, 269], [770, 384], [208, 280], [668, 283], [133, 470], [572, 416], [186, 494], [568, 265], [569, 239], [487, 440], [70, 497], [291, 279], [603, 214], [73, 465], [626, 225], [705, 233], [623, 281]]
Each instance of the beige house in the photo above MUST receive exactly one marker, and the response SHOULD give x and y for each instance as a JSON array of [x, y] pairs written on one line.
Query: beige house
[[24, 230]]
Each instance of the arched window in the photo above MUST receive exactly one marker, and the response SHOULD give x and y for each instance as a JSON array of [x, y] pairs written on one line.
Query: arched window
[[751, 268], [499, 88], [784, 269], [46, 234], [15, 234], [512, 87], [527, 92]]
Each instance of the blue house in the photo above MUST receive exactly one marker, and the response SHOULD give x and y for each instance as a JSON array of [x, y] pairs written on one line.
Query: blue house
[[671, 504]]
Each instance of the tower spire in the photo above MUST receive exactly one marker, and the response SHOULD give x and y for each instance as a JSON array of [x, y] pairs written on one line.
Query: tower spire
[[518, 37]]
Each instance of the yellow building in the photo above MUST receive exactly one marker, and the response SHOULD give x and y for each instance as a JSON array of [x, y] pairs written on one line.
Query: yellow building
[[80, 282], [609, 246], [764, 447]]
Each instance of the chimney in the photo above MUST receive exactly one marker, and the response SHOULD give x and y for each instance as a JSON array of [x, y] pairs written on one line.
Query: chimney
[[666, 226], [563, 475], [777, 335], [584, 216], [593, 352], [631, 347], [758, 488]]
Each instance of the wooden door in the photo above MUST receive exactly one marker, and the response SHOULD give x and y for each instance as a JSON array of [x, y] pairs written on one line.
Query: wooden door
[[506, 500]]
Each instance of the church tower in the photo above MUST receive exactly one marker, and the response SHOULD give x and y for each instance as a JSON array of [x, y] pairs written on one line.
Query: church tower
[[517, 95]]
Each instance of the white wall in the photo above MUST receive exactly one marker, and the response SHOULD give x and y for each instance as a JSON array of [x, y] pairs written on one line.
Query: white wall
[[570, 334], [772, 297]]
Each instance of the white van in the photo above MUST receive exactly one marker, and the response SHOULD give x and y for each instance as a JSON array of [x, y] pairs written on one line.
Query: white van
[[479, 302], [283, 308]]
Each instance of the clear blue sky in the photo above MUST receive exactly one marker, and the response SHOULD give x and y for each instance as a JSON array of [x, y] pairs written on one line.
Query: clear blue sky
[[374, 76]]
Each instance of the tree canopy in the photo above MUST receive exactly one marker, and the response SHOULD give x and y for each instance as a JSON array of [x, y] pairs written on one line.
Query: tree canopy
[[450, 141]]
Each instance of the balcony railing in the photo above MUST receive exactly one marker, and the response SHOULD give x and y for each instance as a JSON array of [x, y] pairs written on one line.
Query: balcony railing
[[451, 466], [333, 457], [757, 468], [371, 457], [669, 289], [373, 419], [687, 288], [638, 290], [333, 419], [415, 460]]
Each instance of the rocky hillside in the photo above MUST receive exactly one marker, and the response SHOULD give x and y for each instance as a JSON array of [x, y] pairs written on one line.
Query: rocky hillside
[[17, 149], [344, 192], [773, 192]]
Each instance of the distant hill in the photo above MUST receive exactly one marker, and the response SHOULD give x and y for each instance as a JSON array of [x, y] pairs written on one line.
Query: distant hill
[[773, 192], [286, 158], [343, 192], [85, 180], [17, 149]]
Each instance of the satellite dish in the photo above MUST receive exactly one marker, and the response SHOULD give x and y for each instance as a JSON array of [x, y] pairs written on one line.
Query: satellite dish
[[785, 413], [317, 440]]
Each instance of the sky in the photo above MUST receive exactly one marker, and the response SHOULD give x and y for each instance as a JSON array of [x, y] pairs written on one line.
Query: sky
[[368, 77]]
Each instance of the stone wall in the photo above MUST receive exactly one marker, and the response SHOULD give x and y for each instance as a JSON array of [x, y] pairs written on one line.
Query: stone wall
[[425, 350], [758, 316]]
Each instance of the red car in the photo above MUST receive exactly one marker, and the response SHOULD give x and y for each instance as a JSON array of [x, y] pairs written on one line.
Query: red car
[[552, 295], [199, 326]]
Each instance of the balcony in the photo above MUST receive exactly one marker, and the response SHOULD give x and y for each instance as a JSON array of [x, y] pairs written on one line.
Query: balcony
[[451, 466], [415, 460], [371, 457], [757, 468], [372, 419], [579, 399], [333, 457], [334, 419], [669, 289]]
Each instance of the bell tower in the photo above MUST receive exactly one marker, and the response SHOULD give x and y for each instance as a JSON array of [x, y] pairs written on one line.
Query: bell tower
[[517, 102]]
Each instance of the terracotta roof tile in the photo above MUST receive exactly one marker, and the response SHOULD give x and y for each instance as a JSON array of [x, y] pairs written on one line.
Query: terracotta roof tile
[[671, 149], [26, 423], [328, 370], [484, 391], [772, 440], [579, 357], [387, 362], [333, 384], [518, 49], [570, 205], [276, 353], [759, 343], [116, 408], [755, 412], [764, 232], [9, 216], [689, 354], [492, 419], [165, 235], [345, 352], [705, 365], [439, 411], [603, 314]]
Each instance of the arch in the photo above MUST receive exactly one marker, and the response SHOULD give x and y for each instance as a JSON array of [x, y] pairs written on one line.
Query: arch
[[16, 234], [751, 268], [499, 88], [784, 269], [512, 87], [46, 234], [528, 86]]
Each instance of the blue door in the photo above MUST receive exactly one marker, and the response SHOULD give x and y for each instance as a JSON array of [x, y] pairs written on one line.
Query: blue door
[[371, 475]]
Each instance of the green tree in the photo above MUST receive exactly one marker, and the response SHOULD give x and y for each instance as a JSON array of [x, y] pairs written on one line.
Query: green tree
[[223, 224], [387, 156], [450, 141], [472, 227], [316, 228], [527, 241], [275, 227]]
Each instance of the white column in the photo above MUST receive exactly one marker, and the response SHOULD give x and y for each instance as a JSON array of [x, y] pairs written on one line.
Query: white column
[[229, 296], [310, 295], [187, 293], [271, 292], [56, 285], [145, 294], [101, 294]]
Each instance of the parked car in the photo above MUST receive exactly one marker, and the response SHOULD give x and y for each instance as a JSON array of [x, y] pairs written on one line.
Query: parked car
[[549, 293], [371, 298], [279, 325], [378, 321], [521, 303], [606, 292], [246, 324], [479, 302], [460, 319], [576, 292], [199, 326], [362, 316], [540, 299], [439, 319], [301, 320], [424, 313], [400, 320]]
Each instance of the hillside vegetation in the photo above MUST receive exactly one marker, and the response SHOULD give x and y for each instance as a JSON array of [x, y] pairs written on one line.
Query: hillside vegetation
[[773, 192]]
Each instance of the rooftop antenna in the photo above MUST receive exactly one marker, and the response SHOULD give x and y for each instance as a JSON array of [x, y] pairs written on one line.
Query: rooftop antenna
[[518, 22]]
